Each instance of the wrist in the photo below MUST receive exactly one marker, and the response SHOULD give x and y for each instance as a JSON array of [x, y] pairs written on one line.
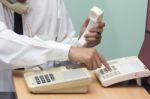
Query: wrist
[[71, 53]]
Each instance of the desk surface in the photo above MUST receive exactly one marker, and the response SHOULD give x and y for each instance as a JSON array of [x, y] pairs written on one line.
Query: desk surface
[[96, 91]]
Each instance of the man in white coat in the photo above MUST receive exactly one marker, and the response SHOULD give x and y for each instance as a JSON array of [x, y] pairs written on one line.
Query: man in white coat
[[48, 38]]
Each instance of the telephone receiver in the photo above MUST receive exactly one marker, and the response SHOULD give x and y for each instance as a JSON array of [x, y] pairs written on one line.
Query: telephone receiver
[[18, 7], [95, 15]]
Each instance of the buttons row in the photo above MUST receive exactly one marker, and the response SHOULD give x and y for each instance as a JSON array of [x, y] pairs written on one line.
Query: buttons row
[[111, 74], [105, 70], [44, 78]]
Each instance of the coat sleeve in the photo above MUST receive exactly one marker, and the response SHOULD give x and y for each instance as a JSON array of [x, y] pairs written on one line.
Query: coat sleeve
[[21, 51]]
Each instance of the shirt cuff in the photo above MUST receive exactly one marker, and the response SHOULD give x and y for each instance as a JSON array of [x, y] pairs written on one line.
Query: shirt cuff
[[64, 52], [60, 51]]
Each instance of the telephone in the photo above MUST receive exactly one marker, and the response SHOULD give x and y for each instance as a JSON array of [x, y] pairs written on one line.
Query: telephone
[[122, 69], [95, 15], [58, 80], [18, 7]]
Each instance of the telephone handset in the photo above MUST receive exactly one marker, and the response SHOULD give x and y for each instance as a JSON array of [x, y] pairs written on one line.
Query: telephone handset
[[58, 80], [18, 7], [122, 69], [95, 16]]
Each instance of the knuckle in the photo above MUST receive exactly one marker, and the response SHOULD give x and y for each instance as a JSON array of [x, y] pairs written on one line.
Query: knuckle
[[96, 35], [100, 30], [88, 58], [99, 41]]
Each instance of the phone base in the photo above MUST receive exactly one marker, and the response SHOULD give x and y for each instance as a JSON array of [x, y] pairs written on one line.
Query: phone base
[[81, 89]]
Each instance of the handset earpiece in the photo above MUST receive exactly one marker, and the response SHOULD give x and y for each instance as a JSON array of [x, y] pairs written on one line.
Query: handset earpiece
[[18, 7]]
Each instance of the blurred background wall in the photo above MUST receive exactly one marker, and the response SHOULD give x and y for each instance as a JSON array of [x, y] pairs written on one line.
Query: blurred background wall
[[125, 24]]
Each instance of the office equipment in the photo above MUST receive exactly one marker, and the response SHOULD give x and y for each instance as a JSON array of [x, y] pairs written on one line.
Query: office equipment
[[58, 80], [18, 7], [95, 15], [122, 69], [95, 90]]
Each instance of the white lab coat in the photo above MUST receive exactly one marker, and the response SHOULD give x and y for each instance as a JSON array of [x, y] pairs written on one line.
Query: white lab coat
[[48, 36]]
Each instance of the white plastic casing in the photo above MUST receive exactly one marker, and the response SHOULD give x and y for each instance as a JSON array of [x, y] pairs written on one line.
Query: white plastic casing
[[65, 81], [127, 68], [95, 15]]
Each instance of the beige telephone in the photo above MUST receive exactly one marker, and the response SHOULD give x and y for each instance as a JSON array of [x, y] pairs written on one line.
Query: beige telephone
[[122, 69], [58, 80], [18, 7]]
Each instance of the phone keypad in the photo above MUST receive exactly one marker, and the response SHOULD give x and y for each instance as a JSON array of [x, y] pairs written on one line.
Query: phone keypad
[[101, 71], [109, 73], [42, 79], [52, 77], [37, 80], [47, 78]]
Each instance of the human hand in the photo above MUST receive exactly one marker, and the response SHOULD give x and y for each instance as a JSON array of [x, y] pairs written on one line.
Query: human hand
[[88, 56], [94, 36]]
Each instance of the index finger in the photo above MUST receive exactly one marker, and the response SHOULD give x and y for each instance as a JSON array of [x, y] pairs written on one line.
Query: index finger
[[104, 62]]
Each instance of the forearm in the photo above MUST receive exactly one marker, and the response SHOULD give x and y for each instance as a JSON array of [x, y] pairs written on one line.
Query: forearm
[[22, 51]]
